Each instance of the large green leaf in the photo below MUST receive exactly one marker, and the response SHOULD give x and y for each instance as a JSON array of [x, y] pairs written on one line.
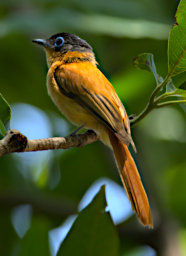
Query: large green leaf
[[177, 42], [5, 113], [93, 232]]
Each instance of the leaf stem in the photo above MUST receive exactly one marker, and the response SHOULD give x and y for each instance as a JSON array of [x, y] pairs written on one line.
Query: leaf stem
[[146, 110], [152, 104], [163, 104], [164, 96], [158, 88]]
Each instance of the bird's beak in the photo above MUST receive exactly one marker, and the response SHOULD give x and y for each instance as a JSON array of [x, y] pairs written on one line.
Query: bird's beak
[[42, 42]]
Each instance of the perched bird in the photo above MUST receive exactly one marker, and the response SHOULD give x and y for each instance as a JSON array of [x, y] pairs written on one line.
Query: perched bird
[[85, 96]]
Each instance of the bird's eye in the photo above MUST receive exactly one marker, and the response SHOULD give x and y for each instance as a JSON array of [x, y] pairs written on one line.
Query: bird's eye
[[59, 42]]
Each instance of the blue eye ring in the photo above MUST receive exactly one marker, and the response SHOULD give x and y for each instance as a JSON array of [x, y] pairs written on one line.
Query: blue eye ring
[[59, 42]]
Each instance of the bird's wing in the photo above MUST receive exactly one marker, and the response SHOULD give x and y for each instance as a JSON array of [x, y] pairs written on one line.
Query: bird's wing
[[85, 84]]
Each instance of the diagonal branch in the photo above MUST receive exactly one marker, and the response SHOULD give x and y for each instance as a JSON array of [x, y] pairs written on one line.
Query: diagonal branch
[[153, 101], [14, 141]]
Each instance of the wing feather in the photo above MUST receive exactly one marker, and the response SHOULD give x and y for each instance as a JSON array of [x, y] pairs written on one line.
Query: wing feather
[[88, 86]]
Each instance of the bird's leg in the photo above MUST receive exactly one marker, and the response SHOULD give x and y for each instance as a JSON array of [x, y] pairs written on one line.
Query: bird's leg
[[131, 117], [77, 130]]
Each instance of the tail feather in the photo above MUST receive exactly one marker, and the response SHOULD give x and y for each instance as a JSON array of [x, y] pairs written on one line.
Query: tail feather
[[131, 180]]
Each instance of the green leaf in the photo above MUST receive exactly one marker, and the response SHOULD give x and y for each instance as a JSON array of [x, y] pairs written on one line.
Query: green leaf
[[177, 42], [179, 93], [166, 99], [145, 61], [5, 113], [175, 93], [93, 232], [172, 91]]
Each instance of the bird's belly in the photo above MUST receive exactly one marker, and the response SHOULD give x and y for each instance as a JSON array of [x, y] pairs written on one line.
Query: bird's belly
[[76, 113]]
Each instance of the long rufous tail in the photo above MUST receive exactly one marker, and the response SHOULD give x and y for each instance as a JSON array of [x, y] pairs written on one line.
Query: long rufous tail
[[131, 180]]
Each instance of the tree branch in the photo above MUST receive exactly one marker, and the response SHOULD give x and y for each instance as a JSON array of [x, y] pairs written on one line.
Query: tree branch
[[14, 141], [153, 102]]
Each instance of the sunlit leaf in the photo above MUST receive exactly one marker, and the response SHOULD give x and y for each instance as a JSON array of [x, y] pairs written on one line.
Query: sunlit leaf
[[177, 42], [145, 61], [5, 113], [93, 232]]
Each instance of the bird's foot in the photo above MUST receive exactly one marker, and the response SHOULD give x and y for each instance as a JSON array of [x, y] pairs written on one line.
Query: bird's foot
[[77, 130]]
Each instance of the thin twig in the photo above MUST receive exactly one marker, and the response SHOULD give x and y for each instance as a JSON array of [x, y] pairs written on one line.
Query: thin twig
[[14, 141], [152, 104], [168, 103]]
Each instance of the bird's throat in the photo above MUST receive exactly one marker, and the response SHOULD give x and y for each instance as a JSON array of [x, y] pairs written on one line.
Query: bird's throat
[[70, 57]]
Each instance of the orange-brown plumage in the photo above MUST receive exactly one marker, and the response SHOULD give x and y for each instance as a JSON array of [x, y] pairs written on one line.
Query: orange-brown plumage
[[87, 98]]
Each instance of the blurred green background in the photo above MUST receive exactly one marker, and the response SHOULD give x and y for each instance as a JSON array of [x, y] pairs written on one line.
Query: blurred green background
[[39, 191]]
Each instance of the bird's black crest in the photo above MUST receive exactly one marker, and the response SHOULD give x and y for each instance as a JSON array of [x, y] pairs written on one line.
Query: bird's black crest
[[72, 39]]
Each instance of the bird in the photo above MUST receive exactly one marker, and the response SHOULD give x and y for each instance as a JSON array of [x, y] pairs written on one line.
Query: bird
[[86, 97]]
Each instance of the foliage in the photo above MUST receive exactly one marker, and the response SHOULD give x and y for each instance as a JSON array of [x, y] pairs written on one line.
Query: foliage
[[103, 238], [176, 65], [177, 42], [53, 183]]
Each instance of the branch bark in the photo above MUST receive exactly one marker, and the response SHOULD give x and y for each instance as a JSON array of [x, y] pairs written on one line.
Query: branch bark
[[14, 141]]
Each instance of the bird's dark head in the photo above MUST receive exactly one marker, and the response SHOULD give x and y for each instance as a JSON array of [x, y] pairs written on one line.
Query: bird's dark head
[[58, 45]]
